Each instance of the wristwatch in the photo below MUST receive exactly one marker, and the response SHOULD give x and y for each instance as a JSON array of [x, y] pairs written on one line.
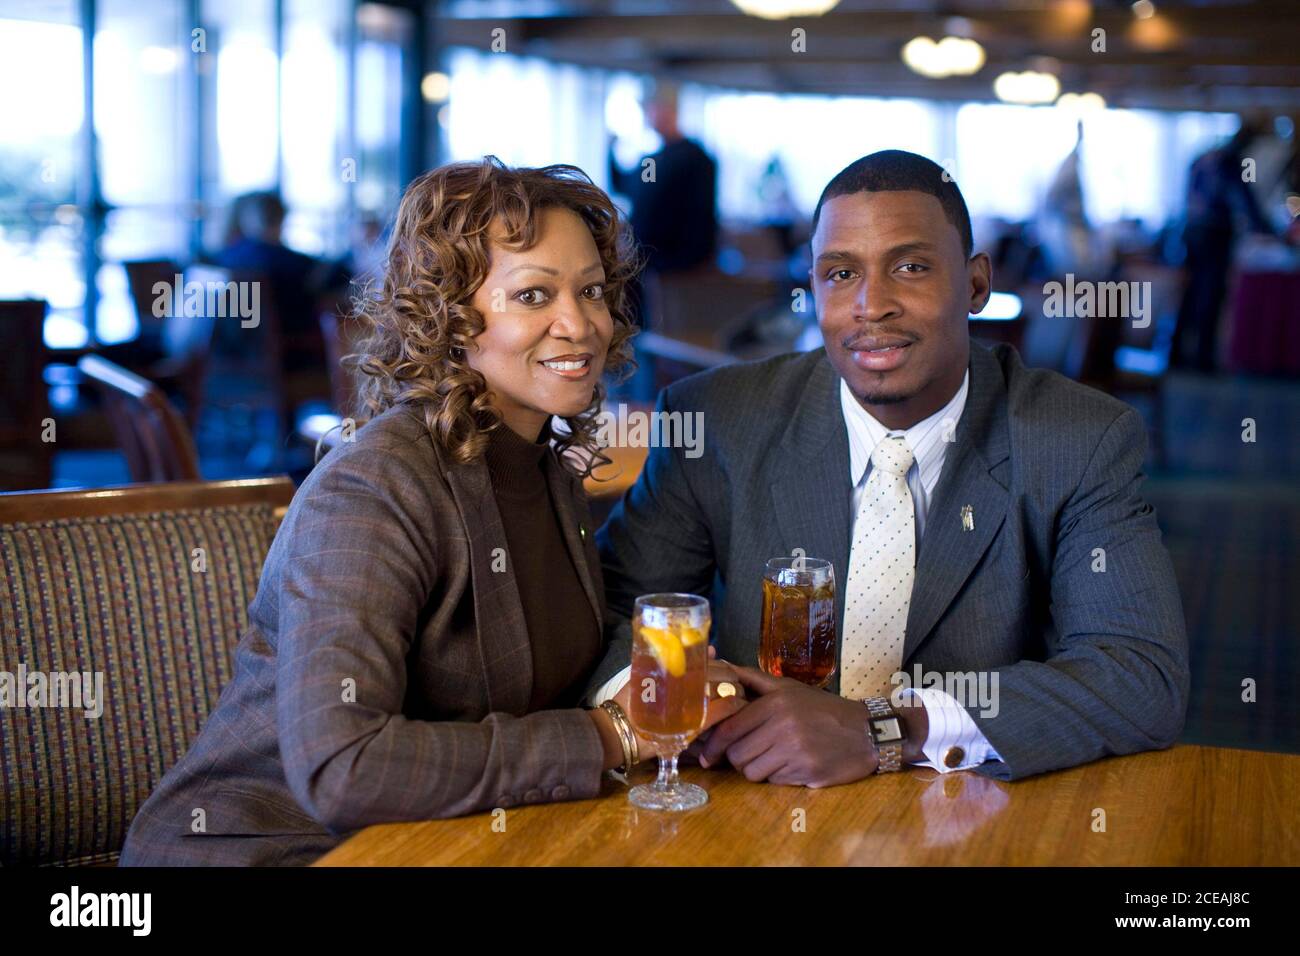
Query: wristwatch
[[886, 729]]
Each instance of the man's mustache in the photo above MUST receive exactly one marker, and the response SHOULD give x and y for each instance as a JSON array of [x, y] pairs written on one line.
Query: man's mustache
[[878, 339]]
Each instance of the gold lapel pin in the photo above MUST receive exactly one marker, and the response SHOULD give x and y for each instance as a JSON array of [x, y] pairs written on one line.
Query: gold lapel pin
[[967, 518]]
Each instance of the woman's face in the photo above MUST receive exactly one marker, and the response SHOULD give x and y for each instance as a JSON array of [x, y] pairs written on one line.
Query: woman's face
[[546, 325]]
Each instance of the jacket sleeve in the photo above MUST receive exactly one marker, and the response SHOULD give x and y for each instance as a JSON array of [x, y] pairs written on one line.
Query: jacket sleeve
[[1116, 677], [361, 564]]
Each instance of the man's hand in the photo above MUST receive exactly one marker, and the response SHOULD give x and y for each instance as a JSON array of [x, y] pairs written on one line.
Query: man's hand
[[793, 734], [716, 710]]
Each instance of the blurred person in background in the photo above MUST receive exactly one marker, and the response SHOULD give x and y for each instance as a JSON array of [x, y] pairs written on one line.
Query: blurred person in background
[[779, 213], [673, 192], [1067, 235], [1220, 207], [297, 281]]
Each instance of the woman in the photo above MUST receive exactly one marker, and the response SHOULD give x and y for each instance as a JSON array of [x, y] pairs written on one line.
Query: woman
[[432, 606]]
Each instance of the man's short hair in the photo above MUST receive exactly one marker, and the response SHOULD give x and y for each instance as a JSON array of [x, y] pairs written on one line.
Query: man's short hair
[[895, 170]]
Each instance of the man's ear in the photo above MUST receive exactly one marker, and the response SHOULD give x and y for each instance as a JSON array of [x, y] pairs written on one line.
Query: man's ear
[[979, 270]]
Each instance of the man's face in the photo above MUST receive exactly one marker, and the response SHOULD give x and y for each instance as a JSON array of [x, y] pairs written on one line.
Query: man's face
[[893, 289]]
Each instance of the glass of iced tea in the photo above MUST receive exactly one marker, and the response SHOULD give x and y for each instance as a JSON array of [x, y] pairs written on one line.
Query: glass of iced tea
[[670, 645], [798, 638]]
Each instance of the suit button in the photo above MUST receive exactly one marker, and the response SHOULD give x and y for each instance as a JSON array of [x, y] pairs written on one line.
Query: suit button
[[560, 793], [953, 756], [505, 800], [533, 796]]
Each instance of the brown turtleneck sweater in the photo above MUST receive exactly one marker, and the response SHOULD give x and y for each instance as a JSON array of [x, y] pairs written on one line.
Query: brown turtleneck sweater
[[561, 626]]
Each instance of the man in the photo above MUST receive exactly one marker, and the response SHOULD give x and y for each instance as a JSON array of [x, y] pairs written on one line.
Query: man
[[296, 280], [1220, 206], [984, 521], [674, 213]]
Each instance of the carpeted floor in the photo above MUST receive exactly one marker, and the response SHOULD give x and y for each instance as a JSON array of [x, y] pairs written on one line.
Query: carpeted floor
[[1235, 545]]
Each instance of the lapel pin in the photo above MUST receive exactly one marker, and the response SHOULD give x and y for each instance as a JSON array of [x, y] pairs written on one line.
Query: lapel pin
[[967, 518], [582, 532]]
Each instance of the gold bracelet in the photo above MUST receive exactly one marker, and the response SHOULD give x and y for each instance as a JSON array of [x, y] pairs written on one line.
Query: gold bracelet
[[616, 718], [626, 736], [633, 752]]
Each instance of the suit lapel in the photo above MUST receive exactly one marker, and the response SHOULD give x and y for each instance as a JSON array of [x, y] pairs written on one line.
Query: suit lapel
[[811, 495], [948, 552], [498, 612]]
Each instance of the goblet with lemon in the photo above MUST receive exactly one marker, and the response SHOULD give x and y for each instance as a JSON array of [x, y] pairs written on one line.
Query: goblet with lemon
[[670, 642]]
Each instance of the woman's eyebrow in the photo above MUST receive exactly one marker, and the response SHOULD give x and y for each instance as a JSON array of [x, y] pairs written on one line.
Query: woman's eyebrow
[[535, 268], [594, 267]]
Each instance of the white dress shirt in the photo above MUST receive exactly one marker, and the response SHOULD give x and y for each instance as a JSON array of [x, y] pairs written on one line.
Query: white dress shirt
[[949, 724]]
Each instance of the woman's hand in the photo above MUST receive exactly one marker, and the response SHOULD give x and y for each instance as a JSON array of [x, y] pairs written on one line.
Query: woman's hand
[[716, 708]]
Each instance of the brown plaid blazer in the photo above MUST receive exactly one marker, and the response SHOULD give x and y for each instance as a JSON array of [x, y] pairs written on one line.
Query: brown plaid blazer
[[386, 670]]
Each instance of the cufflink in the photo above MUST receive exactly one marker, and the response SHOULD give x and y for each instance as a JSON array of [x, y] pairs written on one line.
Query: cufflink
[[953, 756]]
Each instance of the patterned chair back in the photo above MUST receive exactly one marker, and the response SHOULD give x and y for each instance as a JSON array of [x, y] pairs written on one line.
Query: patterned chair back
[[119, 613]]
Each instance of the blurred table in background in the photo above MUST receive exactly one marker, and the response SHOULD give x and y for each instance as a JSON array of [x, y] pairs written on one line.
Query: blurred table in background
[[1187, 806], [612, 480], [1264, 326]]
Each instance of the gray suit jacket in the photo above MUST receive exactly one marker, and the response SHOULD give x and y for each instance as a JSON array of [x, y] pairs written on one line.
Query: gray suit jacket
[[386, 670], [1089, 662]]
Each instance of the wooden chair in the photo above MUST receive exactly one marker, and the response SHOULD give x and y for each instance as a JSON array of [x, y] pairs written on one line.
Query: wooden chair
[[262, 368], [26, 460], [1142, 358], [142, 277], [153, 435], [144, 588], [187, 341]]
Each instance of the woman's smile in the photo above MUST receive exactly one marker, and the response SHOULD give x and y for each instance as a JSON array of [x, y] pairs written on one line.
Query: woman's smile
[[575, 367]]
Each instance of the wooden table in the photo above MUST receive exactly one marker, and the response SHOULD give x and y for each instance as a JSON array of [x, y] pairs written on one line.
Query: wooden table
[[1187, 806]]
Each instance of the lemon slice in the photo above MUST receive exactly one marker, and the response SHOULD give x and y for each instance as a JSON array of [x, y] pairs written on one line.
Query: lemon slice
[[667, 650], [692, 636]]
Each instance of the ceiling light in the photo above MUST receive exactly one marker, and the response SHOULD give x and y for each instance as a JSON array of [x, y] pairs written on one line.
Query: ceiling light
[[1081, 103], [784, 9], [435, 87], [951, 56], [1030, 87]]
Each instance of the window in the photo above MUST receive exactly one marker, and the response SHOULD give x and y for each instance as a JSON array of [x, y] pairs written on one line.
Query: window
[[255, 95]]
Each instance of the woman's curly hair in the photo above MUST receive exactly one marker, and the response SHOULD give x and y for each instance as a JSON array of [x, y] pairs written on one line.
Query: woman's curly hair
[[418, 324]]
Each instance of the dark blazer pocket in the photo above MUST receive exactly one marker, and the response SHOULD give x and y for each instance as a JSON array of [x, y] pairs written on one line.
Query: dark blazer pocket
[[233, 812]]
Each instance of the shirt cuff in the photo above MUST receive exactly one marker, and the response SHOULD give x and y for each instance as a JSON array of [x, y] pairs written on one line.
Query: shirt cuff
[[611, 687], [950, 726]]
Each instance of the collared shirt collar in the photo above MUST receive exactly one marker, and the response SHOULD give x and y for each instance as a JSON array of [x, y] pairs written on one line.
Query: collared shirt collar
[[925, 438]]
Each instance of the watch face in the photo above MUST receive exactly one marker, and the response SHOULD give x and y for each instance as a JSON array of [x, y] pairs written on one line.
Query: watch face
[[886, 730]]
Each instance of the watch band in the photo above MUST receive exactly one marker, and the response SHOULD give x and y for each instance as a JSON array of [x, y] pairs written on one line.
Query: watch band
[[886, 729]]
